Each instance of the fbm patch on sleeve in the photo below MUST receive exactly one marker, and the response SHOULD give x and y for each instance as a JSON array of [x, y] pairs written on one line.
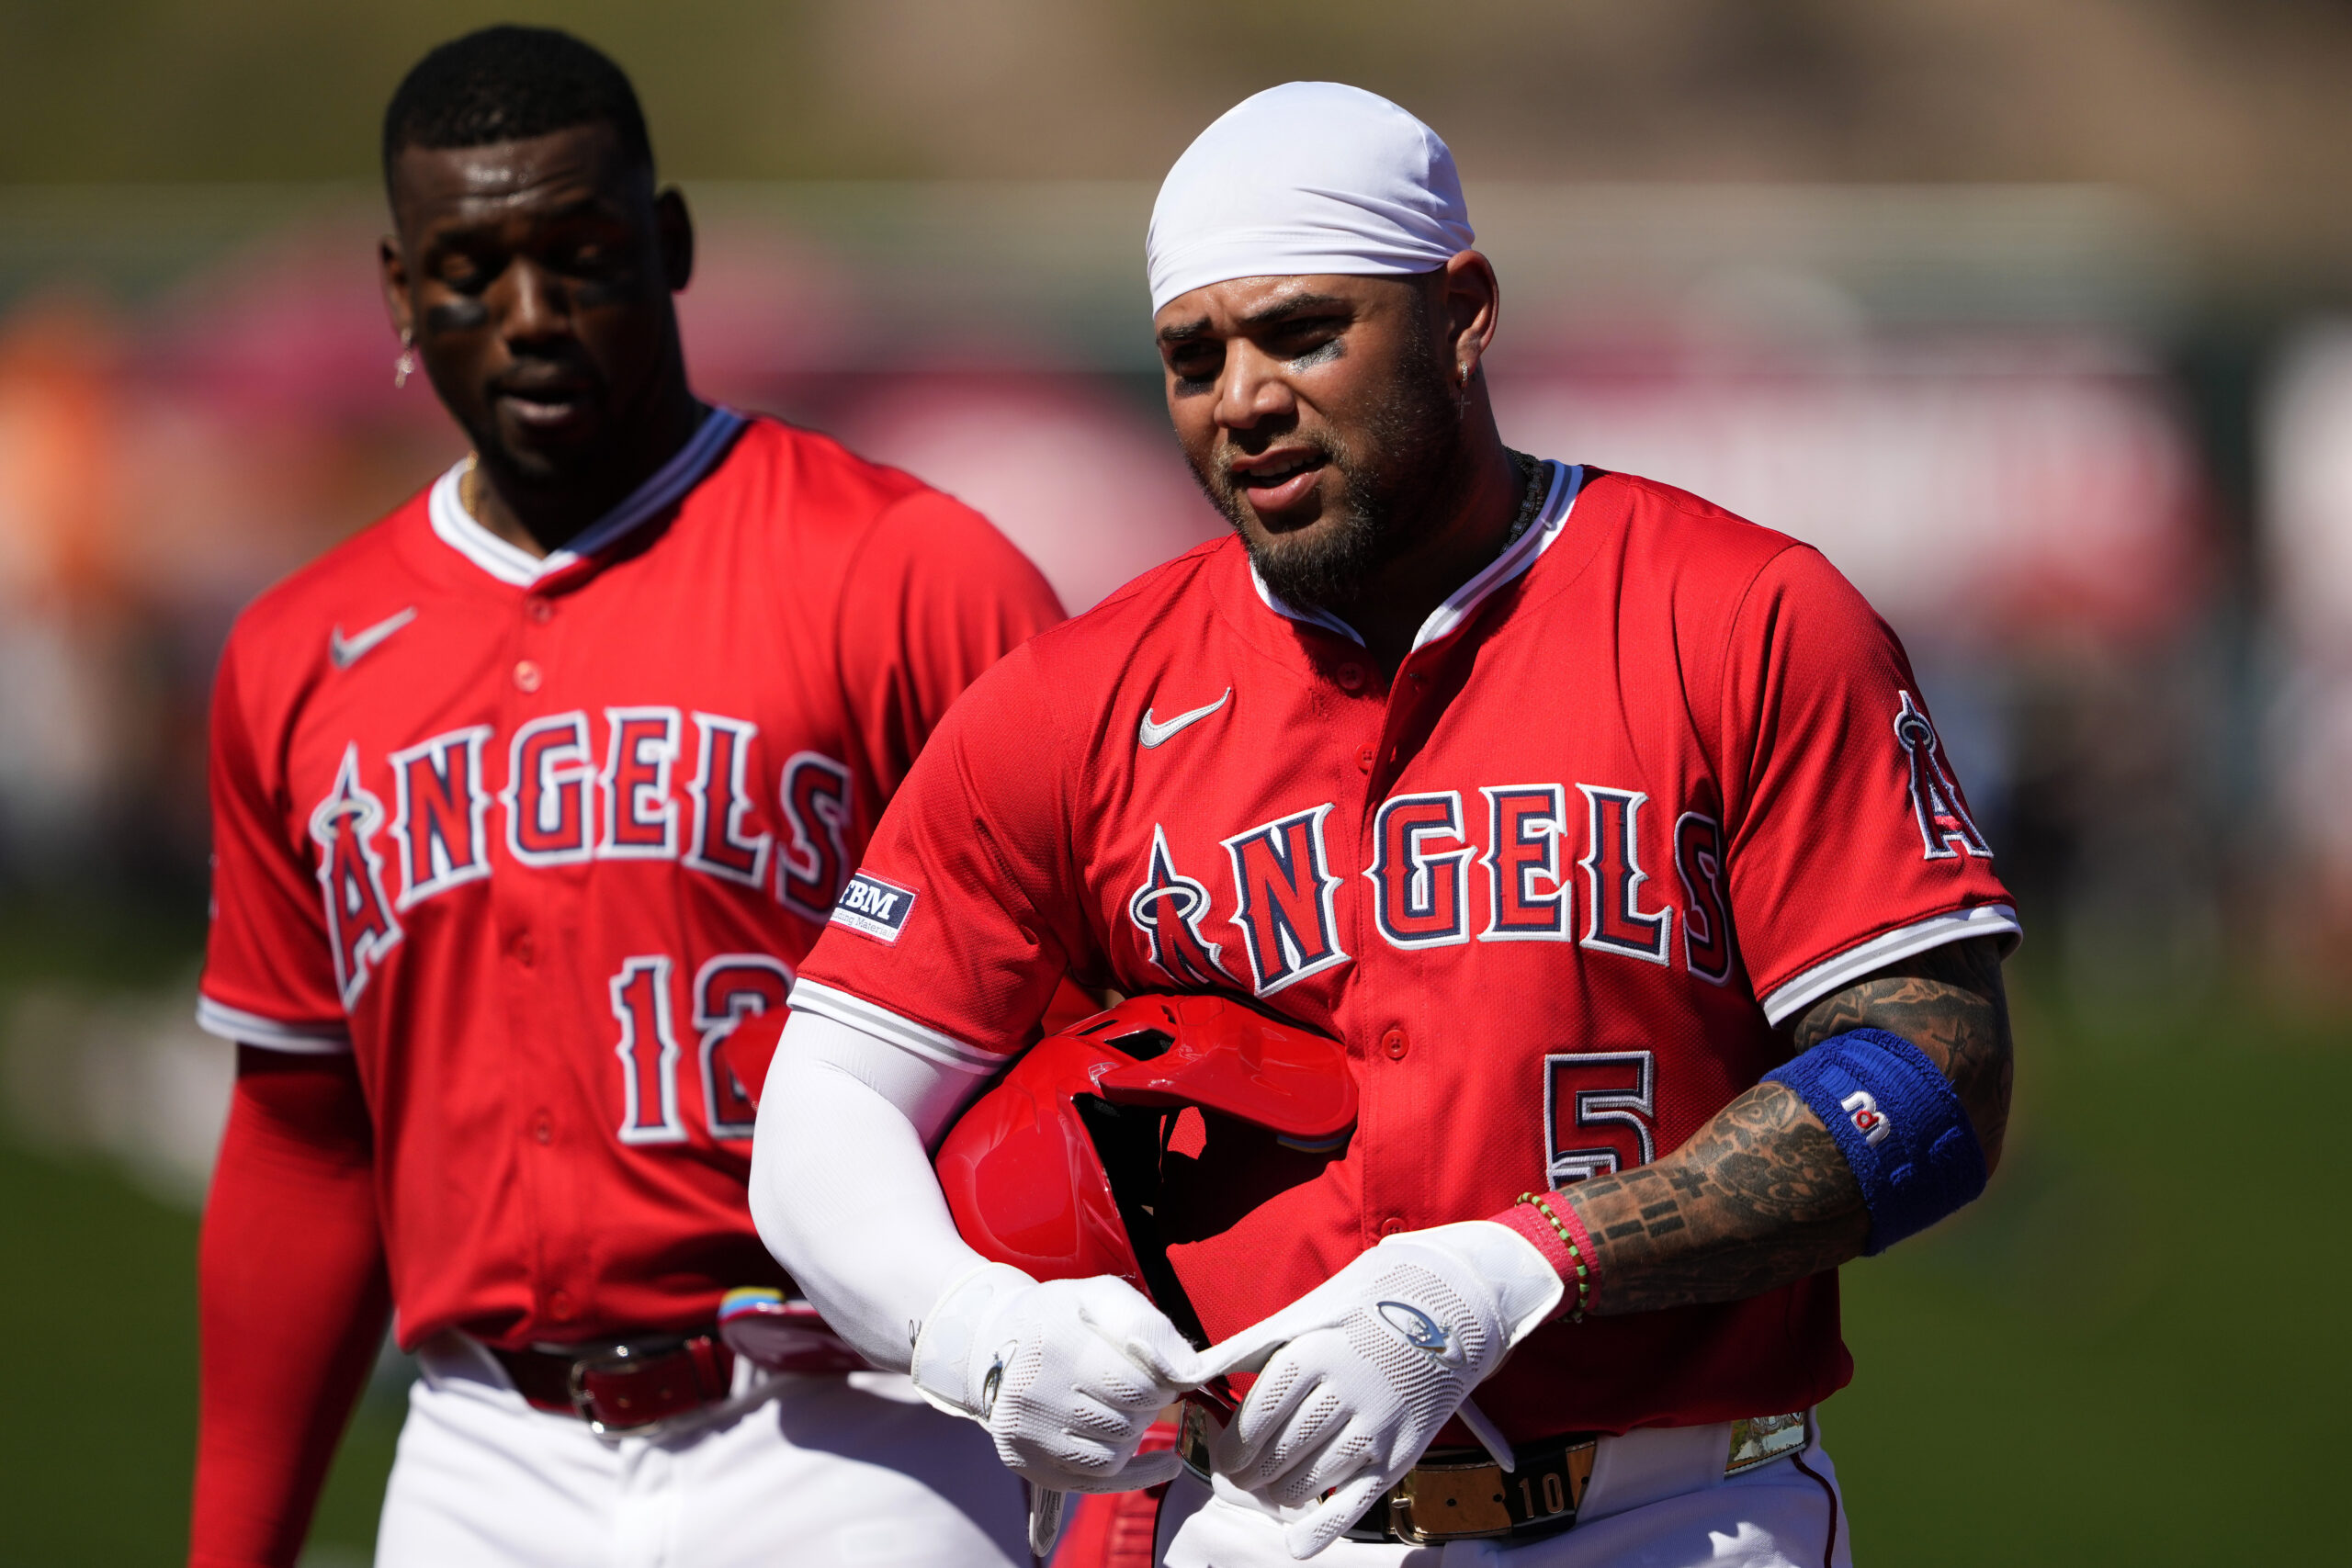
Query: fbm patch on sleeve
[[874, 908]]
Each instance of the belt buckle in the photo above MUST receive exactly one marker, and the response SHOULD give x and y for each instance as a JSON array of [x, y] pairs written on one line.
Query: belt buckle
[[625, 1356], [1463, 1494], [1453, 1493]]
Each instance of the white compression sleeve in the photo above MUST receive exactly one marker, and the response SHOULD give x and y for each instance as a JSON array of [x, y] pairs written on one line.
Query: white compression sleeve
[[842, 1186]]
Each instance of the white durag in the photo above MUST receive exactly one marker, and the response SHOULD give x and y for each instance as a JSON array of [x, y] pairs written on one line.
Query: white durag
[[1309, 176]]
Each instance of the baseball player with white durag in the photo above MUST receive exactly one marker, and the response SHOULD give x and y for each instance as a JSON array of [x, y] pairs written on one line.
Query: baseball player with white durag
[[1608, 833]]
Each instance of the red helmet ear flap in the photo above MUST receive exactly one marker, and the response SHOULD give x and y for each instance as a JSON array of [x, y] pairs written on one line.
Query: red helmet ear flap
[[1058, 1169], [1022, 1177]]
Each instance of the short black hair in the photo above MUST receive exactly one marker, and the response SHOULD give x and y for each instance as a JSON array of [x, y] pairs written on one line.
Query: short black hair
[[507, 84]]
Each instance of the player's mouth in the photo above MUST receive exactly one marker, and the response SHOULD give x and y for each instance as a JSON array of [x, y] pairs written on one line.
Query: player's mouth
[[1276, 481], [551, 405]]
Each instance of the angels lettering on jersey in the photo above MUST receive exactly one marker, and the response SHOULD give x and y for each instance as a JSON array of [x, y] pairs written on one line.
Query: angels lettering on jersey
[[645, 783], [1510, 863], [1600, 865]]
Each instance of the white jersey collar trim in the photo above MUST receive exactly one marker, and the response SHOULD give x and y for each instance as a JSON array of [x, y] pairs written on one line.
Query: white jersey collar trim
[[520, 568], [1283, 607], [1567, 481]]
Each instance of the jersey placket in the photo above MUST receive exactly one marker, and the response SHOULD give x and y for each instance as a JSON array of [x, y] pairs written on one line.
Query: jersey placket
[[1349, 689], [1413, 703], [531, 960]]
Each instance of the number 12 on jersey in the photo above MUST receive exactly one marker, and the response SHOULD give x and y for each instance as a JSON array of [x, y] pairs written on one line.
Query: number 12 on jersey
[[1600, 1110], [727, 990]]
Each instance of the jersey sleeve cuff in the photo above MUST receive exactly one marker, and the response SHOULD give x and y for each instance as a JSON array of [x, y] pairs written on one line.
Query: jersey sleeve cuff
[[809, 995], [253, 1029], [1983, 919]]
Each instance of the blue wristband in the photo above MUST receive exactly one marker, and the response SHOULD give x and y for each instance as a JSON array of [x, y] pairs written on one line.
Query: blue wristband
[[1898, 1124]]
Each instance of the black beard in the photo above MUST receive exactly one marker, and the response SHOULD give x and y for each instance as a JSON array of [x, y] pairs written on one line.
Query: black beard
[[1390, 493]]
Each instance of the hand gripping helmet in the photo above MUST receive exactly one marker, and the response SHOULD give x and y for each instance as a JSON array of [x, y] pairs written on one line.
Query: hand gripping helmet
[[1059, 1169]]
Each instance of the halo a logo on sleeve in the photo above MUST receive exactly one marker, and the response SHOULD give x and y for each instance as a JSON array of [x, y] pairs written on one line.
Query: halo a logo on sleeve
[[874, 908]]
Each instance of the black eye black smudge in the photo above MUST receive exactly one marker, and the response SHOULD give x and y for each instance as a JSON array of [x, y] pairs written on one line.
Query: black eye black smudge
[[456, 316]]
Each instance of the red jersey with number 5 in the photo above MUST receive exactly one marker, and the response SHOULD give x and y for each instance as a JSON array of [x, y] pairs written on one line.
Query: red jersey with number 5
[[531, 837], [1646, 788]]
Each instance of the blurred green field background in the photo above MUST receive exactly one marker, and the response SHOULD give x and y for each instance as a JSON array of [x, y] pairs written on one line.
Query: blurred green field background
[[2128, 1353]]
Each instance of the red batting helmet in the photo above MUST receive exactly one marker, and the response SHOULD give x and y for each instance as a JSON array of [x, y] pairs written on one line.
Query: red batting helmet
[[1058, 1169]]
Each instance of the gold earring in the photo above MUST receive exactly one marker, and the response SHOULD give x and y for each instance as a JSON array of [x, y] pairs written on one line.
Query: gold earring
[[406, 365]]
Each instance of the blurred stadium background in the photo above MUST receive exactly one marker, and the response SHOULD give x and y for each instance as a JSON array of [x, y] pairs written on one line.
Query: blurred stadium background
[[2034, 317]]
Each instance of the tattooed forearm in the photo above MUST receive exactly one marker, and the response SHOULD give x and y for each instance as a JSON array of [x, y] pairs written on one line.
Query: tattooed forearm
[[1760, 1195]]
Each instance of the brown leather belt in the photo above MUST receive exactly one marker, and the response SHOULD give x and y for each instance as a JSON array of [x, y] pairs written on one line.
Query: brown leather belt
[[1463, 1494], [630, 1388]]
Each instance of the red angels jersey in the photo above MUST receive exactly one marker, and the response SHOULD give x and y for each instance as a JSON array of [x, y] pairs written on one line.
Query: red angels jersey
[[531, 837], [1646, 786]]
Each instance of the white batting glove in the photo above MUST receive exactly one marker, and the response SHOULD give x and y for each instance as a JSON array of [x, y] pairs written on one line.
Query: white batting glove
[[1357, 1375], [1066, 1375]]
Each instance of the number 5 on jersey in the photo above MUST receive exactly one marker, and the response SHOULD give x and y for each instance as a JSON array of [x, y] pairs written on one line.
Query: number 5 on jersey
[[1598, 1113]]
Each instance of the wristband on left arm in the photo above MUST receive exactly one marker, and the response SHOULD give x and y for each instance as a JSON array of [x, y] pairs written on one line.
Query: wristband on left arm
[[1557, 1232], [1899, 1123]]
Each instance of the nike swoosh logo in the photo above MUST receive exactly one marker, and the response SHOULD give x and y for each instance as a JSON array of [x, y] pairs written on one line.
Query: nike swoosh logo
[[346, 651], [1151, 732]]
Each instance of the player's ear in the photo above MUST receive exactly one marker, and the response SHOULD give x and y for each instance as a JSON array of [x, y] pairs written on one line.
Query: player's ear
[[675, 229], [1468, 303], [393, 271]]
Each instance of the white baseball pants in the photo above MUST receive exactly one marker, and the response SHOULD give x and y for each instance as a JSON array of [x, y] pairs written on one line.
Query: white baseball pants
[[1657, 1498], [813, 1473]]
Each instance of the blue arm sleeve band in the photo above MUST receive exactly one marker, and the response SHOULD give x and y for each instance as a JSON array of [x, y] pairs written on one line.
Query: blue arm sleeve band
[[1898, 1124]]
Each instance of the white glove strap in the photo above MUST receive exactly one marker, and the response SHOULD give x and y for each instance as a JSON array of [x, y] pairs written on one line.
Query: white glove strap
[[1526, 1287], [951, 1364]]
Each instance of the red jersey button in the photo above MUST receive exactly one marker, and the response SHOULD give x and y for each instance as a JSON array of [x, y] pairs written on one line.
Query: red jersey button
[[560, 1306], [1392, 1225], [543, 1128], [541, 610], [525, 954], [1394, 1044], [1365, 759], [1350, 676], [527, 675]]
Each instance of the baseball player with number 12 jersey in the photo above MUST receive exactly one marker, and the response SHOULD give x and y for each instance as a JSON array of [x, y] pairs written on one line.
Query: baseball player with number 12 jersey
[[534, 864], [509, 843]]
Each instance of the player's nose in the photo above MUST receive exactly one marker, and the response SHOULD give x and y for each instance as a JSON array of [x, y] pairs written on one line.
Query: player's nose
[[532, 305], [1249, 390]]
